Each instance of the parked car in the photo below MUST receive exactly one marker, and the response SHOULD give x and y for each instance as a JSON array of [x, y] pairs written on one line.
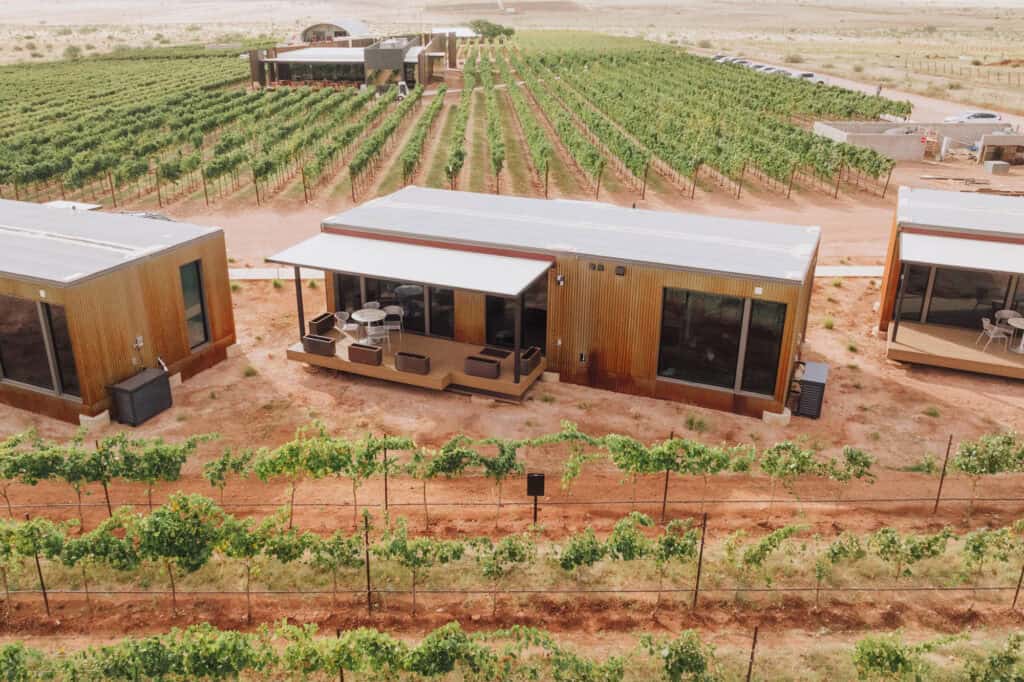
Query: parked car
[[808, 76], [973, 117], [719, 58]]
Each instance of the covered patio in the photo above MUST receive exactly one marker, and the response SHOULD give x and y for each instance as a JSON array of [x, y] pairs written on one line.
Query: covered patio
[[392, 312], [960, 304]]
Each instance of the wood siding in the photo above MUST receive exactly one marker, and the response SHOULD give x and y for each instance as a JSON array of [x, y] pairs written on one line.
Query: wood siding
[[890, 278], [604, 329], [106, 314]]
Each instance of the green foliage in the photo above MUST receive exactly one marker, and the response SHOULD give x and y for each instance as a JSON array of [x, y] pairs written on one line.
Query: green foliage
[[216, 471], [888, 657], [994, 453], [787, 461], [684, 658], [581, 550], [490, 30], [626, 542], [417, 554], [903, 551], [1003, 665]]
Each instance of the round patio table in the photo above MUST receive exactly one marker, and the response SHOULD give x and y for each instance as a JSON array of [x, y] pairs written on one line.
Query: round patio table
[[369, 315], [1017, 323]]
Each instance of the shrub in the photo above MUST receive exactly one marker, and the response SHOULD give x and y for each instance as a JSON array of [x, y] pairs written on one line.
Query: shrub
[[794, 58], [857, 68], [250, 371], [278, 284], [828, 323], [704, 43], [930, 411], [72, 52]]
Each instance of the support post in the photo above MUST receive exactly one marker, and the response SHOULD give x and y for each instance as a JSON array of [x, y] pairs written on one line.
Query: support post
[[887, 179], [700, 559], [518, 337], [643, 189], [664, 493], [113, 196], [942, 476], [256, 184], [1016, 594], [206, 193], [385, 477], [899, 304], [298, 302], [535, 518], [366, 549], [159, 199], [597, 192], [839, 176], [739, 184], [546, 169], [753, 650], [792, 175], [305, 189], [693, 186]]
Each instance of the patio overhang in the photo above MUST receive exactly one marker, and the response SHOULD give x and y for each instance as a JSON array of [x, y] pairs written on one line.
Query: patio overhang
[[504, 276], [962, 253]]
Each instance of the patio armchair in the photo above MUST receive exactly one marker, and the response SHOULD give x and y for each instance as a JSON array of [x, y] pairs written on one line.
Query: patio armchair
[[393, 322], [343, 325], [994, 333]]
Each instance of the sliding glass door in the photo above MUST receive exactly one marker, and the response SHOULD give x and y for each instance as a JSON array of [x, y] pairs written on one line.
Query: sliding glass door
[[954, 297], [500, 318]]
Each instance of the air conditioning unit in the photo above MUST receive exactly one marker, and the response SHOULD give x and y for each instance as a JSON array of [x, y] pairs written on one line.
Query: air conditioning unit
[[812, 389]]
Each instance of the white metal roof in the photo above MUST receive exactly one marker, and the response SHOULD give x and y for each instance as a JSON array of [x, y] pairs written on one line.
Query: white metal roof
[[64, 246], [467, 270], [320, 55], [76, 205], [957, 252], [353, 27], [459, 31], [970, 212], [676, 240]]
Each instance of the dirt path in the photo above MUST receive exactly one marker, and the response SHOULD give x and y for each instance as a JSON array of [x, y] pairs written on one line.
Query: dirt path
[[389, 168], [430, 172], [476, 173]]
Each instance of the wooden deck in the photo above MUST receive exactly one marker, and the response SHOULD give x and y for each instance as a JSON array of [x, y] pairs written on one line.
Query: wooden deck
[[953, 348], [446, 365]]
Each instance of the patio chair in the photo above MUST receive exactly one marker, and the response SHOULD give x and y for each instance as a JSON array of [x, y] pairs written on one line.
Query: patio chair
[[372, 304], [376, 334], [1002, 316], [393, 322], [993, 332], [343, 325]]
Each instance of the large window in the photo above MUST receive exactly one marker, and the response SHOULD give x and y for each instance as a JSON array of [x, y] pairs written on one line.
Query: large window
[[62, 351], [23, 355], [501, 318], [195, 304], [347, 294], [408, 296], [442, 312], [764, 344], [1018, 300], [960, 298], [30, 334], [915, 287], [700, 337]]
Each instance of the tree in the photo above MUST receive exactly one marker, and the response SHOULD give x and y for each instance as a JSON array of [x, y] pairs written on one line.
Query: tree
[[678, 544], [421, 467], [241, 539], [27, 459], [335, 553], [630, 456], [750, 560], [856, 465], [416, 555], [684, 658], [149, 461], [847, 547], [785, 462], [578, 443], [216, 471], [181, 534], [887, 657], [39, 537], [291, 459], [447, 648], [109, 544], [74, 469], [106, 462], [503, 464], [498, 560], [905, 551], [489, 30], [992, 454], [10, 561]]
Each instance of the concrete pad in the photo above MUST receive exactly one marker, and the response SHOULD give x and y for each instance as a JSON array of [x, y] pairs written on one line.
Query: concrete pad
[[98, 422]]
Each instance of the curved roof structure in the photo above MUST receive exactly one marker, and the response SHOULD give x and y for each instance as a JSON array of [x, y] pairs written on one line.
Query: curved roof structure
[[352, 27]]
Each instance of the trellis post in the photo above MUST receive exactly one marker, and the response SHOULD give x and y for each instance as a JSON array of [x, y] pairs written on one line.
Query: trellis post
[[700, 560]]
